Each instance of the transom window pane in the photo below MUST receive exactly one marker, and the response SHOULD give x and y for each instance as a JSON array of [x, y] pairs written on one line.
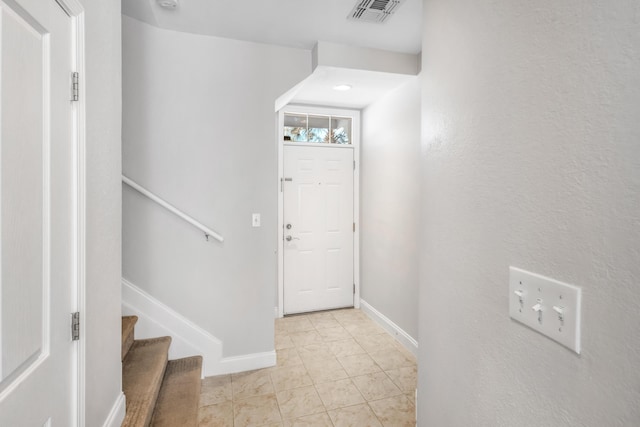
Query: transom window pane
[[317, 129], [341, 130], [295, 127]]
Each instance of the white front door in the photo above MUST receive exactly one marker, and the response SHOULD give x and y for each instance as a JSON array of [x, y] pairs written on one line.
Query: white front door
[[318, 233], [37, 225]]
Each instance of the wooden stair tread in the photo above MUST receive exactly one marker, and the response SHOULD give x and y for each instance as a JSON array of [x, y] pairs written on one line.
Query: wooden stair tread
[[128, 325], [177, 403], [142, 372]]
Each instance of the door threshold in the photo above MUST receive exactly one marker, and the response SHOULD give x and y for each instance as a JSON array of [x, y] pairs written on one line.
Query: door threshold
[[304, 313]]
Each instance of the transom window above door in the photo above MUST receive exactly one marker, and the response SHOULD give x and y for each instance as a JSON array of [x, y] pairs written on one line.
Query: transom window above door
[[301, 127]]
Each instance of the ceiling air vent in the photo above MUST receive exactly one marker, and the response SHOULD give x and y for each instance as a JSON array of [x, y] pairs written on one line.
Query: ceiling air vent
[[374, 10]]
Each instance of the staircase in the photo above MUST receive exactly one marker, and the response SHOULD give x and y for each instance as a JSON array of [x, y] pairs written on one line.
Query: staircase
[[160, 392]]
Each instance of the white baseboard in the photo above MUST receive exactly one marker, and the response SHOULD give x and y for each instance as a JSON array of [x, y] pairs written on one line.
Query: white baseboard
[[248, 362], [118, 411], [187, 339], [396, 331], [156, 319]]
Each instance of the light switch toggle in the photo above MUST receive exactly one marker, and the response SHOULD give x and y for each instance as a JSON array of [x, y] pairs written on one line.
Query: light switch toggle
[[255, 220], [538, 309], [520, 294], [560, 310]]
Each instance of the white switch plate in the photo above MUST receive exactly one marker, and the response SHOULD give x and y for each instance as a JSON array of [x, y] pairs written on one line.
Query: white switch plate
[[527, 290], [255, 220]]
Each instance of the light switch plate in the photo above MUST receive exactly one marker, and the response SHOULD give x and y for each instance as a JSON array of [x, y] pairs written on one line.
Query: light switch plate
[[255, 220], [546, 305]]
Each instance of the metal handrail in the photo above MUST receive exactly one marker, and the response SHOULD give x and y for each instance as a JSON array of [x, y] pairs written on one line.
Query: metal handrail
[[206, 230]]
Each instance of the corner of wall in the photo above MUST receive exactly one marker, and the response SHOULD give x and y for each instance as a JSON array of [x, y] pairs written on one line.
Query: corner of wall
[[314, 57], [187, 339], [117, 413], [394, 330]]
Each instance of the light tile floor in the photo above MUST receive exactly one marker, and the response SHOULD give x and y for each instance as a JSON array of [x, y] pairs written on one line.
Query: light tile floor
[[335, 368]]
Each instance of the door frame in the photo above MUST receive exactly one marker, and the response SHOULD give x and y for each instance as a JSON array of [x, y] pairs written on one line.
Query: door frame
[[75, 10], [355, 137]]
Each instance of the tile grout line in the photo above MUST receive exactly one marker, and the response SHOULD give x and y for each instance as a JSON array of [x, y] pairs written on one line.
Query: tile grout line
[[275, 393], [233, 401]]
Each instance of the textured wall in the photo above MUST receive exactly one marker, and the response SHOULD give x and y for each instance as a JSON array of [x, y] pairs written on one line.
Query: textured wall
[[104, 207], [198, 130], [531, 158], [390, 205]]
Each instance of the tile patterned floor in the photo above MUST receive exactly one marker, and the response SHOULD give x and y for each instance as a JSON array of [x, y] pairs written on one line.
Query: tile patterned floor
[[335, 369]]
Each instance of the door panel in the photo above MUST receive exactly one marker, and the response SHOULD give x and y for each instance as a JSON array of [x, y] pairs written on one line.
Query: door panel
[[318, 205], [21, 176], [36, 215]]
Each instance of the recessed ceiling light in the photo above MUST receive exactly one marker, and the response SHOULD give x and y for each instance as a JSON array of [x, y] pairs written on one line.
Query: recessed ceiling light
[[342, 87], [168, 4]]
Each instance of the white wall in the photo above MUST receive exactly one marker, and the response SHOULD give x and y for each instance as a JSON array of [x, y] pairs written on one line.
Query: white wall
[[531, 144], [104, 201], [390, 205], [199, 131], [335, 55]]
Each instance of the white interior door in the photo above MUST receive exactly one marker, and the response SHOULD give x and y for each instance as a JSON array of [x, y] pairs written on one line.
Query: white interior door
[[318, 221], [37, 244]]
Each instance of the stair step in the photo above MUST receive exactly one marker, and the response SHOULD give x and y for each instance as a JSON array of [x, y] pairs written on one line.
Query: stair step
[[142, 373], [177, 403], [128, 324]]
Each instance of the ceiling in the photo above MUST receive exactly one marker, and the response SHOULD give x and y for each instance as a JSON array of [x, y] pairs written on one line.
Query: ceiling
[[366, 87], [293, 23], [301, 24]]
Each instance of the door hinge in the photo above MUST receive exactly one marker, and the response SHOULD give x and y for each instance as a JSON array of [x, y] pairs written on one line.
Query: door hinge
[[75, 86], [75, 326], [354, 165], [282, 181], [354, 288], [354, 227]]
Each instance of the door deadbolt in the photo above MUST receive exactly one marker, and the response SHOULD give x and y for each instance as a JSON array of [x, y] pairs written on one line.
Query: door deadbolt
[[288, 226]]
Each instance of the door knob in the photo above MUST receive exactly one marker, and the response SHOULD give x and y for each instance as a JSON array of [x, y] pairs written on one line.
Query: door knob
[[290, 238]]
